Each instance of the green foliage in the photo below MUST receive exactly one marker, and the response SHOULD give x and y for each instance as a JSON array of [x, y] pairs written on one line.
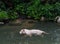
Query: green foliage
[[8, 15], [20, 7], [34, 8], [3, 15], [2, 6], [57, 8], [50, 11], [12, 14]]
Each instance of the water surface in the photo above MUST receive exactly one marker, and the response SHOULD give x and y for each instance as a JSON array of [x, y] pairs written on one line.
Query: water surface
[[10, 34]]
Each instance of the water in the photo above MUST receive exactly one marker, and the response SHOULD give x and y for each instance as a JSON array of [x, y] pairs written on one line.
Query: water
[[10, 34]]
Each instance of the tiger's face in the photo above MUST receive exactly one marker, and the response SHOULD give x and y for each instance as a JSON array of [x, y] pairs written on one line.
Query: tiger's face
[[22, 31]]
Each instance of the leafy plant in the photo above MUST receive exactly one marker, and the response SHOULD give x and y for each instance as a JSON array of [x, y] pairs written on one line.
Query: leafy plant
[[12, 15], [3, 15], [33, 8], [21, 8]]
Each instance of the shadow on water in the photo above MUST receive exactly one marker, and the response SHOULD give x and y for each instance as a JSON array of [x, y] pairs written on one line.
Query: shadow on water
[[10, 34]]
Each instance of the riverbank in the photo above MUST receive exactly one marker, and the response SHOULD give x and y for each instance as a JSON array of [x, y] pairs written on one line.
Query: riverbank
[[24, 23]]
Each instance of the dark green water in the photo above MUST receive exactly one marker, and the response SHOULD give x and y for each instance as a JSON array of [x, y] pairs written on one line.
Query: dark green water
[[10, 34]]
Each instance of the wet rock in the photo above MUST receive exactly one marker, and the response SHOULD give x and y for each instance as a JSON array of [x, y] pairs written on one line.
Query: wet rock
[[1, 22], [42, 18], [57, 19]]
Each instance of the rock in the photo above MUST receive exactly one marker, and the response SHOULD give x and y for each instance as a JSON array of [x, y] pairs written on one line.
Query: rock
[[57, 19], [42, 18], [1, 22]]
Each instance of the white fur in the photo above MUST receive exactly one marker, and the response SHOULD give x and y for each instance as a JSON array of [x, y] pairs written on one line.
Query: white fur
[[32, 32]]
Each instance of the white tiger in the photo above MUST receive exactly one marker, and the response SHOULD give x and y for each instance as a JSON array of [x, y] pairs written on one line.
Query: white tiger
[[32, 32]]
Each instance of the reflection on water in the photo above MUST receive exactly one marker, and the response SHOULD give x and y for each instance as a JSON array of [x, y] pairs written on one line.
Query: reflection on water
[[10, 35]]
